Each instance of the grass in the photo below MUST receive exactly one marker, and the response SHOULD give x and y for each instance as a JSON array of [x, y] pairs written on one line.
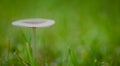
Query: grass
[[86, 33]]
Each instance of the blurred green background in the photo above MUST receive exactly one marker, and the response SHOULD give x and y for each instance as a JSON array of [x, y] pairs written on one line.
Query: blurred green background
[[86, 32]]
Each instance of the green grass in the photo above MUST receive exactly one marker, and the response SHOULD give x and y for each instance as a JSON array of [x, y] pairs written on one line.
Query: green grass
[[86, 33]]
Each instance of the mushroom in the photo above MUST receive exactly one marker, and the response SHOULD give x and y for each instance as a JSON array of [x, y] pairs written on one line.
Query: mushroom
[[33, 23]]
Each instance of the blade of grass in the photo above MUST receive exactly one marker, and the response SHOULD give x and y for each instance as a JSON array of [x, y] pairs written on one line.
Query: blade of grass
[[73, 58], [28, 47], [20, 59]]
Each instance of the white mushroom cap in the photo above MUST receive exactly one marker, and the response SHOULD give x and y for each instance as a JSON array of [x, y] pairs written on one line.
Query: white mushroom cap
[[34, 23]]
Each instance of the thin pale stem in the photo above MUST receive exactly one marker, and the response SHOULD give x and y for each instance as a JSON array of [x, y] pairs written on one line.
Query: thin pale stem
[[34, 44]]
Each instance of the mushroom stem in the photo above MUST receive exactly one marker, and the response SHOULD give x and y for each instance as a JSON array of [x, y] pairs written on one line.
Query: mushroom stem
[[34, 44]]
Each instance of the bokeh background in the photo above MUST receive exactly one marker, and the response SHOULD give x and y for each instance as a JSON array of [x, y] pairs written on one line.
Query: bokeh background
[[86, 32]]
